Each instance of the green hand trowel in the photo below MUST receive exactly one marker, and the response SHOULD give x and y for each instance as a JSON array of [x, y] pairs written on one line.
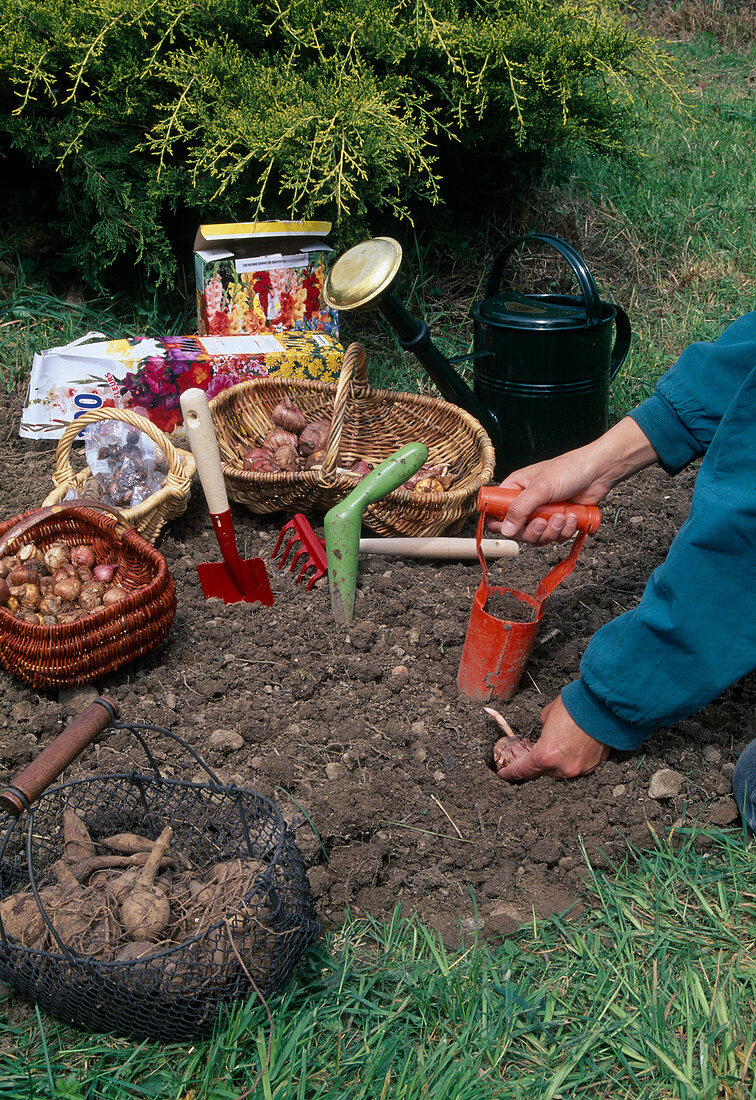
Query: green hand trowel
[[344, 521]]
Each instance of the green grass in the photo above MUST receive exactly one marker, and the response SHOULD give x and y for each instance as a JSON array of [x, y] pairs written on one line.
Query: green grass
[[648, 993], [33, 318], [669, 235], [684, 216]]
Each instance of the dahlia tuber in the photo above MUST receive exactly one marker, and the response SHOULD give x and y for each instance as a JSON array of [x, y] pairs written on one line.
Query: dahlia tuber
[[145, 911]]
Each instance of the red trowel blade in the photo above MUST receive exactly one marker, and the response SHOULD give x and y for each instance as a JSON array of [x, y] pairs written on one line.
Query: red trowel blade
[[216, 580]]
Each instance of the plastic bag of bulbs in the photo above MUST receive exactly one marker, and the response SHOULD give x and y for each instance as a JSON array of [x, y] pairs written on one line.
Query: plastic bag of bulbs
[[125, 465]]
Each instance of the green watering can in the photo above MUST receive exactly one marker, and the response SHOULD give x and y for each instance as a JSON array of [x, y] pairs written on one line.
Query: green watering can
[[542, 363]]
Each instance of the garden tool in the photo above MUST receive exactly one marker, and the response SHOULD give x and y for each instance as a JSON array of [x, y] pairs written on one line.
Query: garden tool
[[299, 530], [343, 522], [496, 650], [542, 363], [234, 578]]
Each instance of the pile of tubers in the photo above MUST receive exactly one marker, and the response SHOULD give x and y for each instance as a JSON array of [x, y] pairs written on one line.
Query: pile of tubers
[[127, 897], [59, 585], [294, 443]]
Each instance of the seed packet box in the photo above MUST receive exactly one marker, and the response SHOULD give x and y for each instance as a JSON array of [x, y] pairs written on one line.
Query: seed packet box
[[255, 277], [152, 373]]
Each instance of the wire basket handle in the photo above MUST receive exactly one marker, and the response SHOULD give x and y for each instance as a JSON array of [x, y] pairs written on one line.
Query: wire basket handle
[[63, 469], [77, 736], [353, 379]]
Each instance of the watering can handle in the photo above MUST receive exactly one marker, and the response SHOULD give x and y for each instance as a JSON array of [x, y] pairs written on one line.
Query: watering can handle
[[54, 759], [571, 255], [621, 342], [495, 502]]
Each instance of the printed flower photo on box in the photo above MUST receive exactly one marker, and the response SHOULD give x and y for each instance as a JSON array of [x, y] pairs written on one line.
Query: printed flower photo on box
[[159, 380], [284, 299]]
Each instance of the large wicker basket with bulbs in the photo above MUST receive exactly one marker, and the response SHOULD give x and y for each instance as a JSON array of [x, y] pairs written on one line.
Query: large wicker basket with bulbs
[[293, 445]]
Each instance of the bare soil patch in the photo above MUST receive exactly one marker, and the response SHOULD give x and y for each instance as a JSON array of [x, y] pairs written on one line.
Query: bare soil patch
[[360, 735]]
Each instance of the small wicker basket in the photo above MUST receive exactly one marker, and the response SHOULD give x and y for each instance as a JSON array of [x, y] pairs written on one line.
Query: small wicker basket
[[169, 501], [365, 423], [68, 654]]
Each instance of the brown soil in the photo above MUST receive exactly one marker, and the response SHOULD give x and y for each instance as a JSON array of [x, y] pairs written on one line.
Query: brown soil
[[360, 735], [507, 607]]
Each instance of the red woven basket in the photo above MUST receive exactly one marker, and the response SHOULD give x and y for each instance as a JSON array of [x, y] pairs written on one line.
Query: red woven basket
[[68, 654]]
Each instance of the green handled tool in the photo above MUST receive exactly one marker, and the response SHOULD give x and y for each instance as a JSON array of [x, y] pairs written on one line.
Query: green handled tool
[[344, 522]]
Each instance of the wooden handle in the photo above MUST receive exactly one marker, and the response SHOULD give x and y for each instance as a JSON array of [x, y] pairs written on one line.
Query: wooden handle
[[496, 502], [450, 548], [198, 425], [80, 733]]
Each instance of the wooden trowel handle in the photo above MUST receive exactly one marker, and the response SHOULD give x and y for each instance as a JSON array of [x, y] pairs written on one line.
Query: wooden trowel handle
[[77, 735], [200, 431], [496, 503]]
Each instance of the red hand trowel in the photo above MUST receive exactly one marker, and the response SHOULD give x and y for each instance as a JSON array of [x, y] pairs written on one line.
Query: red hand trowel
[[234, 578]]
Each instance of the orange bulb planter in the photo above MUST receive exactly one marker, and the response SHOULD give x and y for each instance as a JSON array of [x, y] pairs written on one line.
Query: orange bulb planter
[[496, 650]]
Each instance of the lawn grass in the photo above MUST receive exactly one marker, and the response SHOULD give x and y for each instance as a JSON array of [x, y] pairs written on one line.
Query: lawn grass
[[33, 318], [649, 993], [669, 235]]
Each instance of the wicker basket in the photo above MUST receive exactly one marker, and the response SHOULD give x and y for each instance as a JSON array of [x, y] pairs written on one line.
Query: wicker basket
[[69, 654], [166, 503], [365, 423]]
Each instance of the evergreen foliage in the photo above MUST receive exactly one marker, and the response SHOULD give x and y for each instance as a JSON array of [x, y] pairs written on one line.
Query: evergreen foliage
[[138, 110]]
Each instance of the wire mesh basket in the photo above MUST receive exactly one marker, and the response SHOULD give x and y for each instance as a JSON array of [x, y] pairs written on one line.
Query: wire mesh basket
[[175, 992]]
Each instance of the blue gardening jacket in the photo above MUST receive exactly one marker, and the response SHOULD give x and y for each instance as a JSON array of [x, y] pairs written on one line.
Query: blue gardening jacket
[[694, 631]]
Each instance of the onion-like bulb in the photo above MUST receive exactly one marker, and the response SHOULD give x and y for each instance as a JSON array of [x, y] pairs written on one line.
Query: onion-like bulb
[[314, 436], [57, 555], [83, 555], [114, 595], [251, 455], [104, 572], [68, 589], [289, 416], [278, 437], [286, 457]]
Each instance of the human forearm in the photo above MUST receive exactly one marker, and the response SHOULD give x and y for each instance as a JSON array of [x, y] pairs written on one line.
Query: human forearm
[[686, 409], [614, 456]]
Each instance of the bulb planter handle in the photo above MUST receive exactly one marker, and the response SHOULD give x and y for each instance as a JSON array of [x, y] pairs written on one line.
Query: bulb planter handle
[[343, 522]]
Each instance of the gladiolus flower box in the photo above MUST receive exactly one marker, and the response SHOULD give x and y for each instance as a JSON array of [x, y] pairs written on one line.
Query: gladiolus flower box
[[257, 277]]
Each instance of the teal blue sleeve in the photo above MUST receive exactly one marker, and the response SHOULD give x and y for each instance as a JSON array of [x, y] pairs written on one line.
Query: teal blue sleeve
[[685, 410], [694, 631]]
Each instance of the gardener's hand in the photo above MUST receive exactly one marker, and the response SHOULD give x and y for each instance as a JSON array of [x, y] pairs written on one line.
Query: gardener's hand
[[562, 750], [584, 476]]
